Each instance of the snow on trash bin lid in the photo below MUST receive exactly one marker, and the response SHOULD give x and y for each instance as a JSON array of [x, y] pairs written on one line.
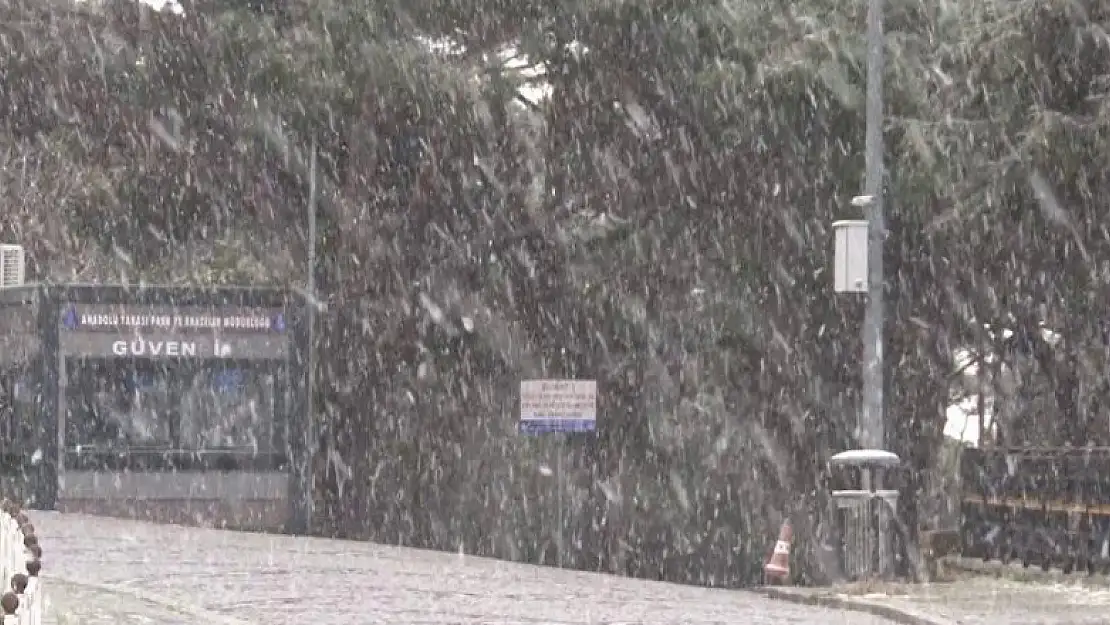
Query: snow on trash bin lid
[[865, 457]]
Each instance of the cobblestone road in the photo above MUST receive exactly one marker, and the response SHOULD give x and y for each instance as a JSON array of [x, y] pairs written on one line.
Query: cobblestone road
[[152, 574], [77, 604]]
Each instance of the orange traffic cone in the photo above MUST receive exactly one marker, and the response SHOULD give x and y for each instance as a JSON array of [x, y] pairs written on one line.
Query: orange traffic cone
[[777, 569]]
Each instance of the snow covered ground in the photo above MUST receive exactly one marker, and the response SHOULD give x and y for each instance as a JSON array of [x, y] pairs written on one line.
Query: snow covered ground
[[113, 571]]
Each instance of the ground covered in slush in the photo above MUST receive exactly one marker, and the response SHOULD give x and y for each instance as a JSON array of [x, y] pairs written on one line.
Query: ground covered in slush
[[113, 571]]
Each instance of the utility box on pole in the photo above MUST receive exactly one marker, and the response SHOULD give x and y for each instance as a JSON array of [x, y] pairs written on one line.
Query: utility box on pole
[[850, 265]]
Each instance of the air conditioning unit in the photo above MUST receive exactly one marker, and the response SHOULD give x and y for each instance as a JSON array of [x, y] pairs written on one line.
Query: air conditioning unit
[[12, 272]]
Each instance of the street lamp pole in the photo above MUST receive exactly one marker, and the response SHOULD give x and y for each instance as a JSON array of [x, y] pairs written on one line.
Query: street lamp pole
[[872, 435], [310, 279], [859, 269], [310, 319]]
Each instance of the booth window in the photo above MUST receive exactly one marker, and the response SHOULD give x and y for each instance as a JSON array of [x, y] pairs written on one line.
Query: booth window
[[228, 408], [113, 404], [138, 404]]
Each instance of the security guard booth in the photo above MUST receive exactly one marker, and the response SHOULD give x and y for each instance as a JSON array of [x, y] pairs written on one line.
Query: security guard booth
[[171, 404]]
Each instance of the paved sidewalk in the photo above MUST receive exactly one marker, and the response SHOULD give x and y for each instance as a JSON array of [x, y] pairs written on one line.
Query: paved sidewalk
[[967, 600], [230, 577]]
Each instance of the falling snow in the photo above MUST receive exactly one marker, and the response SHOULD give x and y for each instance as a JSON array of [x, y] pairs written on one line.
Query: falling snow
[[636, 193]]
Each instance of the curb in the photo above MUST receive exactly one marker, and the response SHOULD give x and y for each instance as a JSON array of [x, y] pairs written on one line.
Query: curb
[[1014, 571], [828, 599]]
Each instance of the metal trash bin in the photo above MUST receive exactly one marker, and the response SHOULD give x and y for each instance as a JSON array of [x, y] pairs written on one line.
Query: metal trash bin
[[866, 516], [864, 520]]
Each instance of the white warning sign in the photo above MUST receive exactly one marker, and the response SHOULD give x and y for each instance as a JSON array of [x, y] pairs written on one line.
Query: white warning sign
[[558, 406]]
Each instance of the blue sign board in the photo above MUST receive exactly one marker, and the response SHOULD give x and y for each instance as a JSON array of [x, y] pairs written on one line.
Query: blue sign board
[[548, 425]]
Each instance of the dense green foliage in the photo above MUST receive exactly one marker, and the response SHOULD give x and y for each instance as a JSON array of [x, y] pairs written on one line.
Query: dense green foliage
[[659, 222]]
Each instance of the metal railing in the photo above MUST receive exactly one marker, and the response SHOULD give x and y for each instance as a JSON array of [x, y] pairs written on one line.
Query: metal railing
[[1048, 507], [21, 563]]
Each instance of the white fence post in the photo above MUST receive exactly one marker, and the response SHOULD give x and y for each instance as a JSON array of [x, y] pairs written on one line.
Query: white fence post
[[20, 564]]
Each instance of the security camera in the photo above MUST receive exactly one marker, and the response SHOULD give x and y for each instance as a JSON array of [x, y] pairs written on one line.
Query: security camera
[[863, 201]]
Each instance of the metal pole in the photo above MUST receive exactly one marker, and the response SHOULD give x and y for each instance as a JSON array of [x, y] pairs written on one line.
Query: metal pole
[[871, 425], [559, 503], [981, 408], [310, 421]]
